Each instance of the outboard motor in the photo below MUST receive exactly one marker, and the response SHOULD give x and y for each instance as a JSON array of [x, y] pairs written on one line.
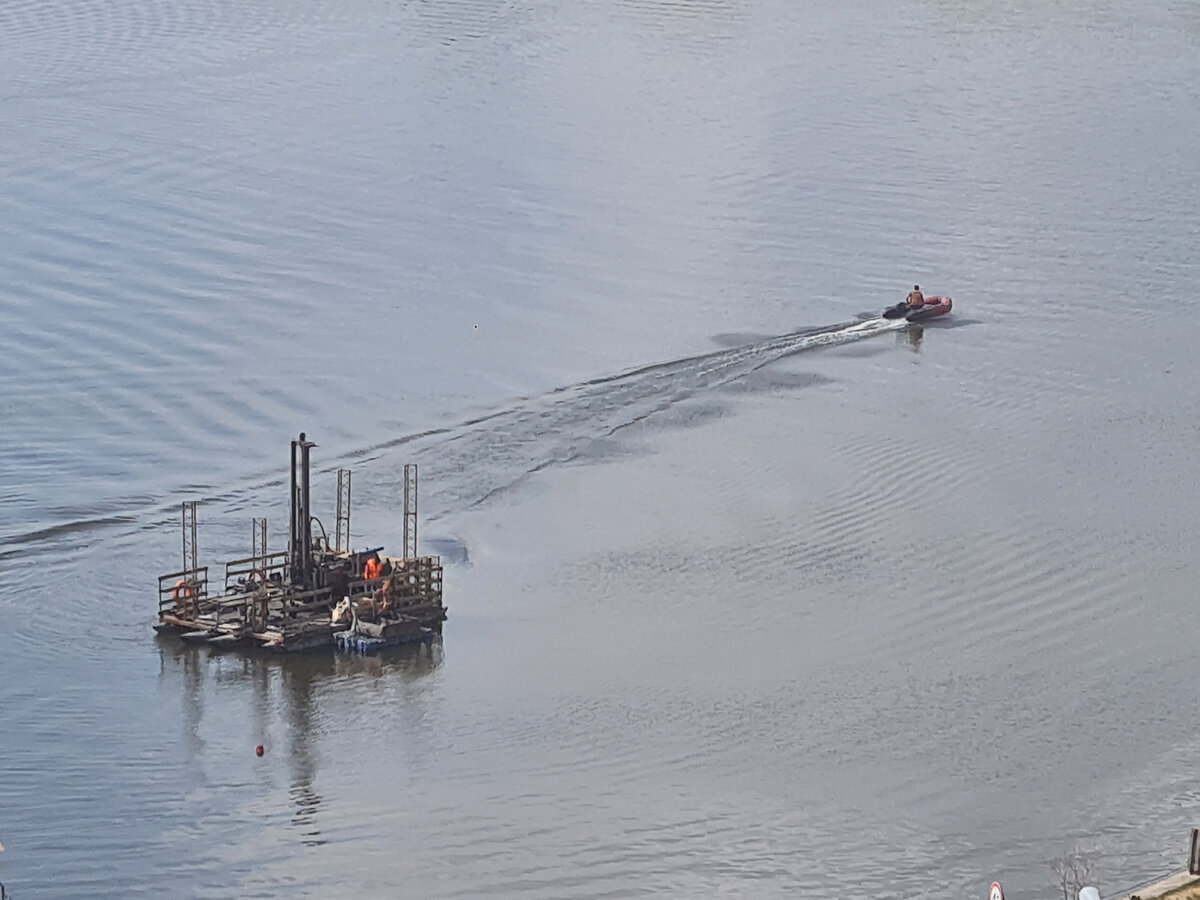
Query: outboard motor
[[1089, 893]]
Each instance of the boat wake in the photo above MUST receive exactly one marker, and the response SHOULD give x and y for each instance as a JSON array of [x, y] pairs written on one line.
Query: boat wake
[[469, 464]]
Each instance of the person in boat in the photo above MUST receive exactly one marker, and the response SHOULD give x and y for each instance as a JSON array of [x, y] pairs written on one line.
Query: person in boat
[[915, 299]]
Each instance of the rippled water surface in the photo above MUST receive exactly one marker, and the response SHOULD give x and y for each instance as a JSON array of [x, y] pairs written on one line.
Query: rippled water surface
[[749, 596]]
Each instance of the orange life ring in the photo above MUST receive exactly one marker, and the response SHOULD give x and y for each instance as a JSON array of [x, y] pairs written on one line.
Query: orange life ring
[[183, 590]]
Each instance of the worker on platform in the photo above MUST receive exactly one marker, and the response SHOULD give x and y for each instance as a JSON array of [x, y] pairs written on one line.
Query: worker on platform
[[373, 568], [339, 580], [381, 599]]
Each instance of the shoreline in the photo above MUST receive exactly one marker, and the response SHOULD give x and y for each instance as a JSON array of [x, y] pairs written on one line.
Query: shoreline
[[1181, 886]]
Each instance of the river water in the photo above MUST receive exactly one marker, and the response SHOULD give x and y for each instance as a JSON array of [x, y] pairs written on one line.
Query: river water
[[741, 603]]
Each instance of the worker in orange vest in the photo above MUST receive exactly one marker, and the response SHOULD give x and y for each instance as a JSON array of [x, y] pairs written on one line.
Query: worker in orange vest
[[373, 568]]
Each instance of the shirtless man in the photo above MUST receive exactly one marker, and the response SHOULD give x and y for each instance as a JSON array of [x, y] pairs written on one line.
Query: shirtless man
[[915, 298]]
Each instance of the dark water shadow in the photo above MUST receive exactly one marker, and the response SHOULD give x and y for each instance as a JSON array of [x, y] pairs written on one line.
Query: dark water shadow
[[948, 322], [64, 533], [739, 338], [410, 662], [859, 351], [451, 549], [769, 380]]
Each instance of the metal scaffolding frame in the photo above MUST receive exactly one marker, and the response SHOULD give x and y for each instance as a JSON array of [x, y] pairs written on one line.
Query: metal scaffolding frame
[[189, 538], [410, 511], [341, 537], [258, 541]]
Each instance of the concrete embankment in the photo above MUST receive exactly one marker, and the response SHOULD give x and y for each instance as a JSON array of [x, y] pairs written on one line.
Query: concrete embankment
[[1177, 887]]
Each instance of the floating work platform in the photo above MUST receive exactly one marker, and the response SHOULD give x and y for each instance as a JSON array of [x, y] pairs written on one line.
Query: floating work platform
[[317, 594]]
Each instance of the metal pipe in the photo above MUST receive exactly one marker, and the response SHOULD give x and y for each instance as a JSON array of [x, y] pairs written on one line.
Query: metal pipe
[[293, 531], [305, 510]]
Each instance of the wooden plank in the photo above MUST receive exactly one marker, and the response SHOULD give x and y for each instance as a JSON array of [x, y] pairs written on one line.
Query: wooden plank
[[276, 555]]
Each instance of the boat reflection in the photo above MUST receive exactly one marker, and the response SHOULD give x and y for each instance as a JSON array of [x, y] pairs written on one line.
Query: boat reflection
[[286, 697], [912, 337]]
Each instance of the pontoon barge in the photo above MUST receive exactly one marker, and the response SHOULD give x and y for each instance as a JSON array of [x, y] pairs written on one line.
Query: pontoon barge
[[312, 595]]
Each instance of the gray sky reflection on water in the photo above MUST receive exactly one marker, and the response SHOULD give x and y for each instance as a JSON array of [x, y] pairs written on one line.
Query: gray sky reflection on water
[[877, 617]]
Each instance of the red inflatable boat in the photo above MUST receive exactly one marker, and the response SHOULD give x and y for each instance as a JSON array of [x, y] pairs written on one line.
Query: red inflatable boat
[[933, 306]]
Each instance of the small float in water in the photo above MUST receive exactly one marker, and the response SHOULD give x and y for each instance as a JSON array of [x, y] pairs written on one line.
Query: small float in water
[[315, 594]]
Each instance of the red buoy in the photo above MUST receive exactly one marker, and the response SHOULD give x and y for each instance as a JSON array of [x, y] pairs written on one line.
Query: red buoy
[[258, 751]]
